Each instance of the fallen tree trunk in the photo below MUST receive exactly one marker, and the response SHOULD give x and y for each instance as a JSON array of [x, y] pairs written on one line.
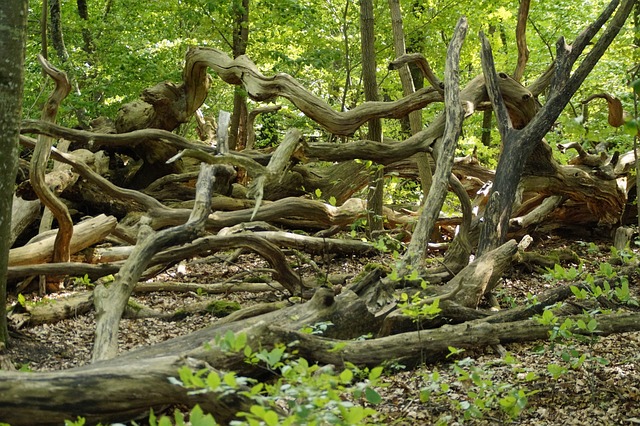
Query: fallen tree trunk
[[85, 234], [110, 392]]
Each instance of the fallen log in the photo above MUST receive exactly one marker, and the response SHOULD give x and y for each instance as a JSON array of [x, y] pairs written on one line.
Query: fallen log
[[85, 234]]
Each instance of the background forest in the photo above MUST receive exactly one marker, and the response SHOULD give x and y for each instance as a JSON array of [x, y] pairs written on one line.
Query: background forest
[[307, 309], [112, 50]]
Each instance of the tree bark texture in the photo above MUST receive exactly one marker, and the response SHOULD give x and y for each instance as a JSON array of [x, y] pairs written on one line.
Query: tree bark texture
[[13, 33], [453, 126]]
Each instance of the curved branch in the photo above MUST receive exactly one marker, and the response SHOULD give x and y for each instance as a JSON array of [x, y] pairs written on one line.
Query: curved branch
[[242, 71], [521, 39], [62, 250], [422, 63]]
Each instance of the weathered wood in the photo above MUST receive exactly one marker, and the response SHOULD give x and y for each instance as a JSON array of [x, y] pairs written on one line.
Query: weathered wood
[[85, 234], [416, 251], [129, 385], [305, 243], [115, 392], [262, 88], [86, 172], [480, 277], [276, 169], [518, 145], [23, 214]]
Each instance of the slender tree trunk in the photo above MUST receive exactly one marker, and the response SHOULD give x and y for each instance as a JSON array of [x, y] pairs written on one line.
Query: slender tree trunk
[[44, 17], [83, 12], [374, 197], [486, 127], [56, 30], [13, 26], [237, 131], [415, 117], [521, 39]]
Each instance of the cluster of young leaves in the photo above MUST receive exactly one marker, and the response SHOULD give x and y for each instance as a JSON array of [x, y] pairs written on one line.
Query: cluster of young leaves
[[312, 394], [476, 392]]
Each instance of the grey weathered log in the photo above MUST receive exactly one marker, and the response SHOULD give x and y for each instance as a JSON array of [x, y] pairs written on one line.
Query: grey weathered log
[[129, 385], [105, 392], [85, 234], [23, 213], [276, 169]]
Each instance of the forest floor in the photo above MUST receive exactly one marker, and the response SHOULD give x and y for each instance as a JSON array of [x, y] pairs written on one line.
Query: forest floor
[[603, 390]]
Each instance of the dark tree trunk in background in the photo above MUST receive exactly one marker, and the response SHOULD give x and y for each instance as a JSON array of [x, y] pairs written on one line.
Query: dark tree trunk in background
[[56, 30], [83, 12], [374, 197], [237, 132], [13, 26]]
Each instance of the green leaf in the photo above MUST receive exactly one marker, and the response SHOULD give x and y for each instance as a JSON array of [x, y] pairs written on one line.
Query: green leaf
[[165, 421], [372, 396], [230, 380], [198, 418], [213, 381], [375, 373], [346, 376], [578, 293], [271, 418]]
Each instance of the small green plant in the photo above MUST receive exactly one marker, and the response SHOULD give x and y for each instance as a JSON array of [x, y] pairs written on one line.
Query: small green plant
[[196, 418], [22, 301], [313, 394], [84, 281], [317, 328], [318, 194], [477, 392], [624, 256], [558, 273]]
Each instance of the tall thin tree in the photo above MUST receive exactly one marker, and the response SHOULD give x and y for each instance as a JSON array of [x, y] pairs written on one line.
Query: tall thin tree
[[13, 32], [374, 197]]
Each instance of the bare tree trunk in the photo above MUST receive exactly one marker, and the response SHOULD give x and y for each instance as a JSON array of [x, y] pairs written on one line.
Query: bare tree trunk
[[83, 12], [453, 126], [520, 144], [415, 117], [13, 32], [376, 183], [237, 130], [44, 17], [521, 39], [56, 30]]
